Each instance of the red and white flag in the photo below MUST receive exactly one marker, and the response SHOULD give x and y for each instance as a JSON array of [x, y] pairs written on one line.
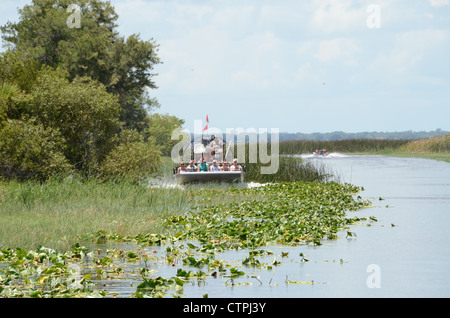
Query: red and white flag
[[207, 121]]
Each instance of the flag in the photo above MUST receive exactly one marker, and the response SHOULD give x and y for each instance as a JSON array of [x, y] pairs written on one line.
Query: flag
[[206, 127], [207, 120]]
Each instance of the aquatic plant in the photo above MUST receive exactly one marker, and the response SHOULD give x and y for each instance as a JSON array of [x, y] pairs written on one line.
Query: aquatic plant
[[291, 213]]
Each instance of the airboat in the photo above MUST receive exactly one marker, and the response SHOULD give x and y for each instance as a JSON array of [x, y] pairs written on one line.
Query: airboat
[[321, 153], [209, 149]]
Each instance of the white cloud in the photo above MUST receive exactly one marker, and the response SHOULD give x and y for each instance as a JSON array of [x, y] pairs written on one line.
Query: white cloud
[[250, 53], [439, 3], [401, 62], [338, 49], [335, 16]]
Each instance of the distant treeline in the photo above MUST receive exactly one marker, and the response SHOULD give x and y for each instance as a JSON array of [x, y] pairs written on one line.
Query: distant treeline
[[340, 135]]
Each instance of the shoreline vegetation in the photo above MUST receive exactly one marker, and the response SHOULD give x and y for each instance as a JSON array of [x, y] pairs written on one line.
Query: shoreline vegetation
[[60, 216], [46, 224], [59, 210]]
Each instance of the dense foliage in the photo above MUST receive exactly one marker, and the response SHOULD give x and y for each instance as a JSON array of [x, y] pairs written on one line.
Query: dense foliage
[[94, 49], [29, 150], [70, 96], [50, 125]]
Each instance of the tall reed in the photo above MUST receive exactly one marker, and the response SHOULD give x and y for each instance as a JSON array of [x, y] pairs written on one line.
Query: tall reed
[[290, 169], [57, 212], [350, 145], [433, 145]]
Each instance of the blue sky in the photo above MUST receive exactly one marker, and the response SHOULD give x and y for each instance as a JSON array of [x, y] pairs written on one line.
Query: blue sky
[[299, 66]]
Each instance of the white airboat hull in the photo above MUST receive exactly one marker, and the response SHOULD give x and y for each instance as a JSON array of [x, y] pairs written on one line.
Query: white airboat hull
[[200, 177]]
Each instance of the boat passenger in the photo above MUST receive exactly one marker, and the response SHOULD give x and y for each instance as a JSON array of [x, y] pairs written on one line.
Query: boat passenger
[[235, 166], [214, 167], [182, 167], [203, 167], [191, 167], [225, 167]]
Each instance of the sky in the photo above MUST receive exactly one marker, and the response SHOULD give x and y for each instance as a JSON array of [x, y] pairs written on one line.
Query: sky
[[298, 66]]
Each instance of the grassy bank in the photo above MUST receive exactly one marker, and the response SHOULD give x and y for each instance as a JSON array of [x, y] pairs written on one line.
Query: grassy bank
[[56, 212], [436, 148]]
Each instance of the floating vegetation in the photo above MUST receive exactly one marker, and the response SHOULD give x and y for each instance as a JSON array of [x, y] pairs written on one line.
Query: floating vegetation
[[291, 214], [283, 214]]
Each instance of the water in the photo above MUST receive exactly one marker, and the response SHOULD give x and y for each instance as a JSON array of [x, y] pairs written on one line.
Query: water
[[408, 247], [413, 256]]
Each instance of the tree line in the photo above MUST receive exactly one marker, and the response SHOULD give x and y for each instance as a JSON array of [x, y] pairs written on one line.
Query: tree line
[[77, 99]]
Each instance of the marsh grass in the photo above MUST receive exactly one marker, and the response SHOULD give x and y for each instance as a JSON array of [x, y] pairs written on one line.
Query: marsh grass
[[59, 211], [291, 169], [430, 145], [351, 145]]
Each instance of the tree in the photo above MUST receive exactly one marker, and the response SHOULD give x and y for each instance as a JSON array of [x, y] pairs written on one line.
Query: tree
[[82, 110], [160, 128], [95, 49], [50, 124]]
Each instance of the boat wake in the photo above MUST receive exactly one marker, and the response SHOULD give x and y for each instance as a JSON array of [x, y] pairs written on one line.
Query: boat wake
[[170, 183]]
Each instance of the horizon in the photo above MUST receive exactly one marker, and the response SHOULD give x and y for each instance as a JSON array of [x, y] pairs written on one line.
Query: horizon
[[314, 66]]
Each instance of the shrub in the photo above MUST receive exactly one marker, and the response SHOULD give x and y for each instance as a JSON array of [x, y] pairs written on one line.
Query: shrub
[[28, 150], [131, 159]]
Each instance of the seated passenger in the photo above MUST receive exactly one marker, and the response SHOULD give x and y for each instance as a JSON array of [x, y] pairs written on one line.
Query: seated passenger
[[182, 167], [214, 167], [225, 167], [235, 166], [203, 167], [191, 167]]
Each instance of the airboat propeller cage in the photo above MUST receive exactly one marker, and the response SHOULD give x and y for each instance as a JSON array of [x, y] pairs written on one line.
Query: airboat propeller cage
[[208, 148]]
